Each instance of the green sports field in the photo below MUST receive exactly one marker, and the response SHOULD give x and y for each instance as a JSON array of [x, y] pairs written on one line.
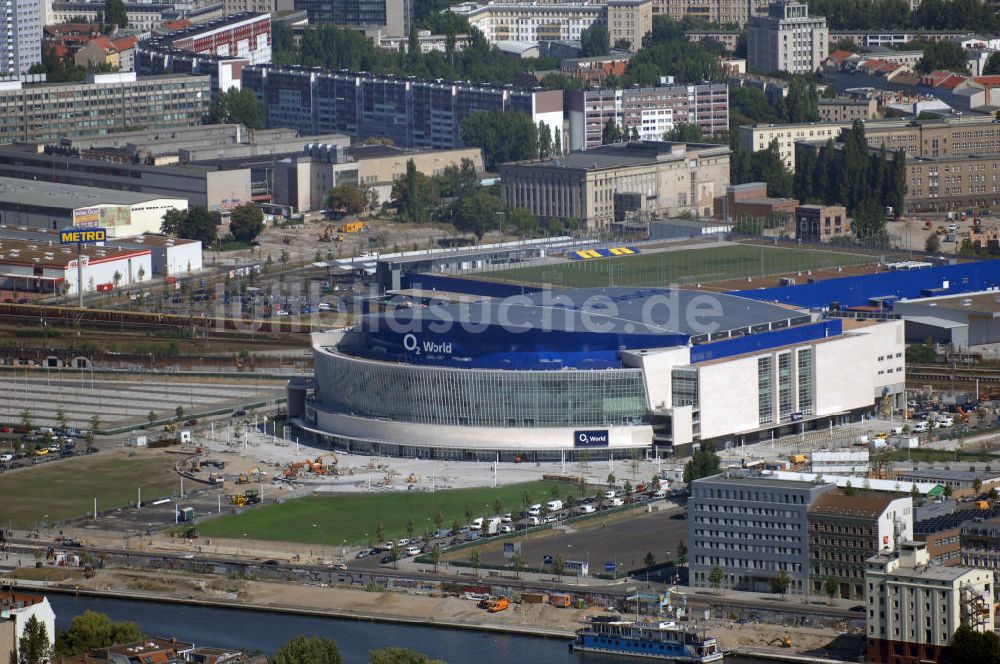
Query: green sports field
[[681, 266], [353, 518]]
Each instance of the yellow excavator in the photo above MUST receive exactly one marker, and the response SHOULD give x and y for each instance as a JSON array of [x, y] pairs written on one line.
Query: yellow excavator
[[325, 464], [251, 476], [781, 641]]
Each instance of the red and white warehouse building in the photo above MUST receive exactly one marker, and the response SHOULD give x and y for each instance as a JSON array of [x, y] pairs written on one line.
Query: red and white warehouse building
[[239, 36], [45, 268]]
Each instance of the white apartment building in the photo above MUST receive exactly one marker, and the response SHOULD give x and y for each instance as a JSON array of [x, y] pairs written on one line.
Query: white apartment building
[[787, 39], [21, 24], [532, 21], [915, 607]]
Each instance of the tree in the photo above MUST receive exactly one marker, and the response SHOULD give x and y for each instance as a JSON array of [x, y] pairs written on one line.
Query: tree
[[246, 222], [622, 44], [716, 577], [497, 506], [554, 491], [947, 491], [977, 485], [525, 499], [611, 133], [684, 132], [594, 41], [33, 646], [782, 582], [848, 489], [416, 195], [932, 245], [179, 412], [117, 279], [611, 479], [703, 463], [195, 223], [61, 417], [478, 212], [503, 136], [544, 141], [380, 532], [409, 528], [628, 488], [305, 650], [27, 419], [347, 199], [237, 107], [942, 55], [394, 553], [992, 66], [969, 645], [399, 656], [650, 559], [655, 484], [151, 416], [682, 551], [438, 519], [95, 422], [114, 13], [436, 556], [91, 630], [831, 587], [474, 559], [558, 565], [517, 564], [801, 102]]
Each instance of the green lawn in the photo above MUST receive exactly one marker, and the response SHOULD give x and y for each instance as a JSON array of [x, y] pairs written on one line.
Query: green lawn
[[685, 266], [67, 489], [354, 517]]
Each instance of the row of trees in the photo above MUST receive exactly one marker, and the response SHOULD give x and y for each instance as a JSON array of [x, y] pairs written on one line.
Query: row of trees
[[246, 222], [972, 15], [865, 183], [337, 48]]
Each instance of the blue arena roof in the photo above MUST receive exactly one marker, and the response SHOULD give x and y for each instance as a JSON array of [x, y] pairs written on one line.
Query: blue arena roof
[[582, 328]]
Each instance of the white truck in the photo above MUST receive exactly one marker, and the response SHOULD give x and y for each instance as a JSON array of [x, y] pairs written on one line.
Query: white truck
[[492, 526], [555, 505]]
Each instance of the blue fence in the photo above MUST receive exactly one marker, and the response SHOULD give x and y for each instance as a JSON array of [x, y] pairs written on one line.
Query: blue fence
[[764, 340], [903, 284]]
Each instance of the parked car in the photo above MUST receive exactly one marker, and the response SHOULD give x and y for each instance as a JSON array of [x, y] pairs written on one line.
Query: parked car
[[386, 559], [412, 551]]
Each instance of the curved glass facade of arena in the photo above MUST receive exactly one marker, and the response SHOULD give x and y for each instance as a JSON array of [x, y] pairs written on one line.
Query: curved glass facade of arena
[[479, 397]]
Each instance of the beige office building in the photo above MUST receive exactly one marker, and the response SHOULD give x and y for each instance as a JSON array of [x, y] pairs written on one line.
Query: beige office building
[[913, 608], [759, 136], [847, 110], [303, 182], [787, 39], [722, 12], [612, 182], [629, 20]]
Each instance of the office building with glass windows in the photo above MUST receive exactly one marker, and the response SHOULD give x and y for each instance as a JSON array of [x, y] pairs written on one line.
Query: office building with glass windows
[[555, 373]]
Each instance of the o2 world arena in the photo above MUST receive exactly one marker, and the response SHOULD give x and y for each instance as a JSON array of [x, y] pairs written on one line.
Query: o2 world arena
[[557, 373]]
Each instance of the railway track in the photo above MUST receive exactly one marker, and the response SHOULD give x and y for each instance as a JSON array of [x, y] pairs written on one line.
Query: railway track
[[938, 373]]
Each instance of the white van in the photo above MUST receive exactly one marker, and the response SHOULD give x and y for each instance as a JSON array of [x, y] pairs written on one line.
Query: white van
[[555, 505], [533, 521], [587, 509], [920, 427], [412, 550], [535, 510], [617, 502], [477, 524], [608, 495], [945, 421], [660, 493]]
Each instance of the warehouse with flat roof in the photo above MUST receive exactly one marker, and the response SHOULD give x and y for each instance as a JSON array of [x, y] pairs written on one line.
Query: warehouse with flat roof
[[53, 206]]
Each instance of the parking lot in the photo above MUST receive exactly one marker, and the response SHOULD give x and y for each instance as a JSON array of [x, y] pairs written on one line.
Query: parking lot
[[620, 540]]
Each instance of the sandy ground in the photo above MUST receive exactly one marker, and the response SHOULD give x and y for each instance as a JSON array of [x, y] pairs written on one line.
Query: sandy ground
[[813, 641]]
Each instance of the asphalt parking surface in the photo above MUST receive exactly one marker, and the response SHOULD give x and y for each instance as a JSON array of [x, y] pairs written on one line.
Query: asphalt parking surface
[[622, 541]]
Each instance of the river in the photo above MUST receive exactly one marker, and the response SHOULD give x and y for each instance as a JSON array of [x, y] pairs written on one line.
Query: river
[[260, 631]]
